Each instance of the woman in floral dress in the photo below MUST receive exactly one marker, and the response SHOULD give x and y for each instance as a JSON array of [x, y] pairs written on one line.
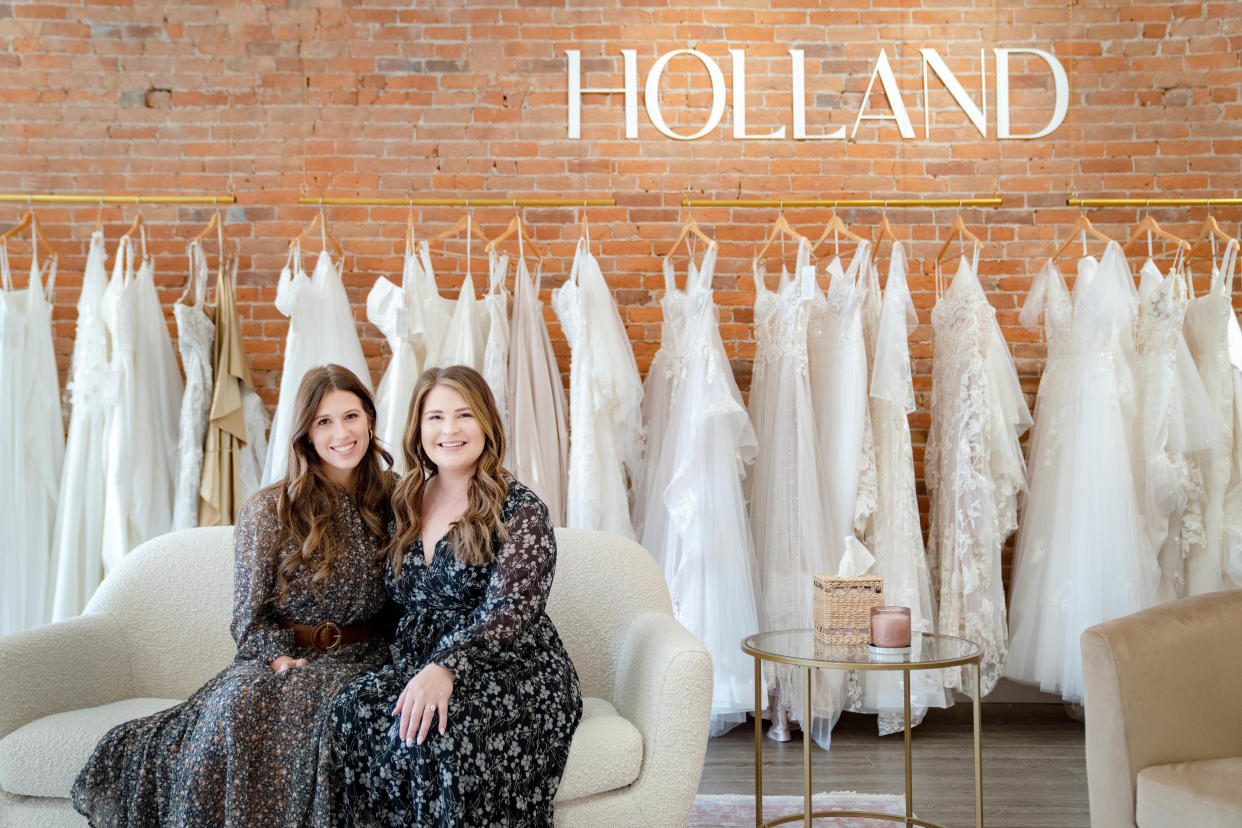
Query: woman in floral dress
[[308, 617], [471, 723]]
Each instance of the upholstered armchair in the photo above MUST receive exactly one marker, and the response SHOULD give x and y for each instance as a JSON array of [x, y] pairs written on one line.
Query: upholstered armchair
[[1163, 699], [158, 628]]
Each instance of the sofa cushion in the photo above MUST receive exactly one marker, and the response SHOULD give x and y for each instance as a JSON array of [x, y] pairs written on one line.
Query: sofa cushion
[[1205, 794], [43, 757], [606, 753]]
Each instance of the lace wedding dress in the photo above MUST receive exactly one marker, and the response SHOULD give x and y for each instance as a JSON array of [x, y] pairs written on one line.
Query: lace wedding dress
[[1215, 342], [77, 543], [974, 470], [895, 535], [196, 334], [1175, 424]]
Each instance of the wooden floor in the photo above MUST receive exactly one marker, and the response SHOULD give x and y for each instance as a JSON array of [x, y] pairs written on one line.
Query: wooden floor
[[1034, 770]]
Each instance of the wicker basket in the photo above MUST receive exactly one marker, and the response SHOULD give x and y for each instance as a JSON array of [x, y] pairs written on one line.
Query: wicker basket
[[843, 607]]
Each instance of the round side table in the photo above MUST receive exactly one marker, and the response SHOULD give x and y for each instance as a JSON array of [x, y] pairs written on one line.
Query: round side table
[[928, 651]]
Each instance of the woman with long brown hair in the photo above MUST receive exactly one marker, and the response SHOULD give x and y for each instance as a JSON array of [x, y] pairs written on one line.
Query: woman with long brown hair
[[309, 604], [471, 723]]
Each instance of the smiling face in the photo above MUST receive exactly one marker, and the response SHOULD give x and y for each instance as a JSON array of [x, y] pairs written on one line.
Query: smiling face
[[340, 433], [452, 437]]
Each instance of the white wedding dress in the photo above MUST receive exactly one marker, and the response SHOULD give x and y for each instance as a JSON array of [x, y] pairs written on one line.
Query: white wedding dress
[[145, 395], [539, 439], [974, 470], [496, 352], [32, 439], [77, 544], [1082, 555], [1175, 423], [400, 314], [466, 339], [322, 330], [895, 536], [195, 336], [700, 445], [787, 518], [1215, 343], [605, 401]]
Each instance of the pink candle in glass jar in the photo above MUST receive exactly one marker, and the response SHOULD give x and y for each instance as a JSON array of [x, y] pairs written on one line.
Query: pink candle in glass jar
[[890, 626]]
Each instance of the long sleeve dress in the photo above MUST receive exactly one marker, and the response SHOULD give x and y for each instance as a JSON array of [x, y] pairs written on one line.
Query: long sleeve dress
[[243, 750], [515, 702]]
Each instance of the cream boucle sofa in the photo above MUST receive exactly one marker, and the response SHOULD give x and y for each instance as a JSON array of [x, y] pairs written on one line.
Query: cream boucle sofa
[[1163, 699], [158, 628]]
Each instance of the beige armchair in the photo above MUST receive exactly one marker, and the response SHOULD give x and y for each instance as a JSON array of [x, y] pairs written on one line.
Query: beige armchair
[[1163, 699], [158, 628]]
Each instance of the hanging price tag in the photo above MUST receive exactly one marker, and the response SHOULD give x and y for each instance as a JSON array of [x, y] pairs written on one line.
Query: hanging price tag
[[808, 283]]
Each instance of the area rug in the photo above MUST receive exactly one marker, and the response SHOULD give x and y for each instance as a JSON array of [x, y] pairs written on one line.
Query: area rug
[[738, 810]]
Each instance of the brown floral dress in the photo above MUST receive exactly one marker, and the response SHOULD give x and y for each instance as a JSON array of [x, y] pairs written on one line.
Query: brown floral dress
[[515, 703], [242, 751]]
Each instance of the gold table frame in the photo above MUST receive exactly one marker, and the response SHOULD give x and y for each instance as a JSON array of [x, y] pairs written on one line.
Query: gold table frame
[[750, 646]]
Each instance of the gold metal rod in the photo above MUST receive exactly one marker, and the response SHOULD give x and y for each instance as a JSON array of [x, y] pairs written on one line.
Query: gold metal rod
[[844, 202], [55, 198], [1150, 202], [905, 680], [758, 742], [808, 812], [978, 753], [463, 202]]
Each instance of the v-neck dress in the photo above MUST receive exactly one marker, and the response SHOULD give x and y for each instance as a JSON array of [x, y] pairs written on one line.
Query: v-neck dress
[[514, 706]]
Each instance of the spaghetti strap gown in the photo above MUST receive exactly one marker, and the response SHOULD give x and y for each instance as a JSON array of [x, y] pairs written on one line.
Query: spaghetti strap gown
[[243, 750], [195, 337], [32, 438], [539, 441], [515, 702]]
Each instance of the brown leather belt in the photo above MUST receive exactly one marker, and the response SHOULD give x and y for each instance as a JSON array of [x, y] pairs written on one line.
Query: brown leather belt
[[326, 636]]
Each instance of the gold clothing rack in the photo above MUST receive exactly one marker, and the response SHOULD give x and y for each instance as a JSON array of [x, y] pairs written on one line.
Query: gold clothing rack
[[1152, 202], [994, 201], [53, 198], [463, 202]]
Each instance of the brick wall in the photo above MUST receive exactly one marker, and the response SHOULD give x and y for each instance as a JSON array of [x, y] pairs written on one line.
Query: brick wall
[[460, 99]]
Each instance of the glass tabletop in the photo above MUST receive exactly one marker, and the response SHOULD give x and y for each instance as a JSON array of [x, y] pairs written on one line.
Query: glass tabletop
[[927, 650]]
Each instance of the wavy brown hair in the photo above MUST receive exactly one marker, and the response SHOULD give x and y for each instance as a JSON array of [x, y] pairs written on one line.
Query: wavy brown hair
[[471, 535], [307, 499]]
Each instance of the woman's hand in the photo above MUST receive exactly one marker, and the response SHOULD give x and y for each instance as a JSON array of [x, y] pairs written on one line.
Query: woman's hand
[[284, 662], [423, 697]]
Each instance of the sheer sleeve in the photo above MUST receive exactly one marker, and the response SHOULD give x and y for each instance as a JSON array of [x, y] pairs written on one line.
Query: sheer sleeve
[[256, 557], [516, 594]]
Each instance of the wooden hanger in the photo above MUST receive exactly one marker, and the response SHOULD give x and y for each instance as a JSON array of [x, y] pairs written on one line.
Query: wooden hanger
[[326, 234], [780, 227], [958, 231], [29, 220], [886, 230], [1209, 230], [1081, 225], [516, 226], [218, 226], [836, 228], [458, 227], [1149, 225], [691, 228]]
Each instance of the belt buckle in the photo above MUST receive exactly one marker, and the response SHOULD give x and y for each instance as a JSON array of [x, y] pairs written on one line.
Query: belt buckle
[[326, 636]]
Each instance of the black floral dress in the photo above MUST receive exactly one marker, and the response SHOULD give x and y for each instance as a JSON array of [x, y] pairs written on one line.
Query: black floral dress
[[515, 702], [243, 750]]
